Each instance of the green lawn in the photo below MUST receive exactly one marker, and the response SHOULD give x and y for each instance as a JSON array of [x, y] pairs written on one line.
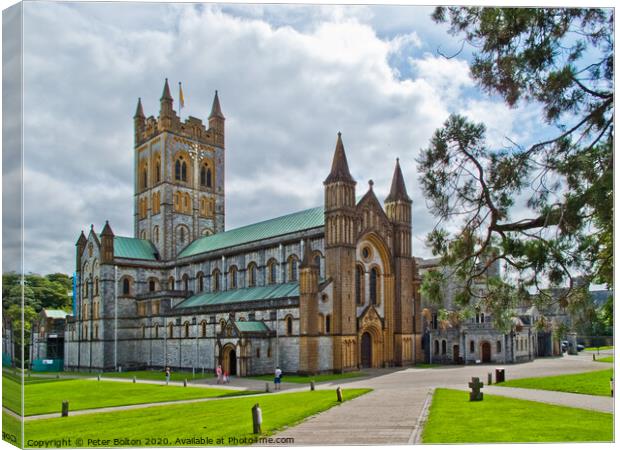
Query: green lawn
[[44, 398], [11, 429], [454, 419], [593, 349], [158, 375], [607, 359], [163, 425], [593, 383], [316, 378]]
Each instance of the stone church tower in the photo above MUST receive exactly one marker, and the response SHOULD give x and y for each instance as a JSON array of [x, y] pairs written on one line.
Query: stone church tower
[[179, 176], [340, 242]]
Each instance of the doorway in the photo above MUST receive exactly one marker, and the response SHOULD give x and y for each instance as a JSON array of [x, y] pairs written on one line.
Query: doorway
[[229, 360], [366, 350], [486, 352], [455, 354]]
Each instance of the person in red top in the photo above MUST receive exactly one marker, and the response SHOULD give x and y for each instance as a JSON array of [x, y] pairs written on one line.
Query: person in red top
[[218, 372]]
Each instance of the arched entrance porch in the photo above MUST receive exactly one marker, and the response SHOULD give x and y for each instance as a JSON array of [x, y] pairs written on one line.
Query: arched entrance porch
[[485, 351], [229, 359]]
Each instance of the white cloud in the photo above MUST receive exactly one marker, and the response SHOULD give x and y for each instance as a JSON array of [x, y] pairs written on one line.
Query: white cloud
[[288, 83]]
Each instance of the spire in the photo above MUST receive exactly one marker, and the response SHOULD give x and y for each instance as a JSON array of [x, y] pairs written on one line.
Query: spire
[[398, 190], [340, 167], [82, 239], [107, 230], [166, 94], [308, 260], [139, 112], [216, 110]]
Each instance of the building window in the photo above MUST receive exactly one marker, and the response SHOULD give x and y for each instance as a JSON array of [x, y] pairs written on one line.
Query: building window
[[126, 286], [201, 281], [472, 347], [222, 325], [271, 272], [186, 329], [156, 234], [328, 324], [258, 352], [289, 325], [143, 331], [215, 280], [96, 286], [359, 277], [203, 328], [157, 172], [481, 317], [185, 283], [155, 308], [96, 332], [252, 275], [171, 283], [156, 330], [232, 273], [144, 178], [436, 347], [180, 169], [443, 347], [317, 262], [206, 176], [292, 268], [499, 347], [269, 352], [170, 330], [151, 285], [373, 286]]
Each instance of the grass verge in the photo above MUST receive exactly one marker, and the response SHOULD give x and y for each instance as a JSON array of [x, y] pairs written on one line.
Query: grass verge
[[42, 398], [316, 378], [593, 349], [11, 429], [607, 359], [591, 383], [453, 419], [158, 375], [218, 423]]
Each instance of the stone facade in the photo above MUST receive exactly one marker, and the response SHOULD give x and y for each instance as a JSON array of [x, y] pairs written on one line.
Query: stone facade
[[329, 295]]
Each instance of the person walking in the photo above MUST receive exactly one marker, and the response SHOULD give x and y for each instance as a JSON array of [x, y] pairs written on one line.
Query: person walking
[[167, 375], [277, 378], [226, 377], [218, 372]]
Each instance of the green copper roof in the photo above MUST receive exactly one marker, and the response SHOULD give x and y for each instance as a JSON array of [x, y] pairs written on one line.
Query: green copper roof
[[251, 327], [55, 313], [291, 223], [132, 248], [285, 290]]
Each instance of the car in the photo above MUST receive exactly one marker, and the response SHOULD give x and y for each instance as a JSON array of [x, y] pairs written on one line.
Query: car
[[564, 346], [580, 347]]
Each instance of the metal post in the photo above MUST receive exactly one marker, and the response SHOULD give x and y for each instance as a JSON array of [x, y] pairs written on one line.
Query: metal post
[[115, 317]]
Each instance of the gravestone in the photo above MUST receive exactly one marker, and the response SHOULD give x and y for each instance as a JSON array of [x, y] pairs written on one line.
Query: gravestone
[[489, 378], [65, 408], [339, 394], [475, 395], [500, 375], [185, 382], [312, 385], [257, 419]]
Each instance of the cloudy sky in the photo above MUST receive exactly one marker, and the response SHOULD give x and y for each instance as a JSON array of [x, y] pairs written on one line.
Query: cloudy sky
[[289, 78]]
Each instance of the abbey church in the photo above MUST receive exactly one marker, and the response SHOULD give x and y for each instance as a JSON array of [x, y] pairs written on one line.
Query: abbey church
[[327, 289]]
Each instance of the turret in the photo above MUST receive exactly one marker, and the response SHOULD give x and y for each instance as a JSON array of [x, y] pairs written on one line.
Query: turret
[[398, 210], [166, 112], [216, 121], [107, 244], [139, 123], [80, 246]]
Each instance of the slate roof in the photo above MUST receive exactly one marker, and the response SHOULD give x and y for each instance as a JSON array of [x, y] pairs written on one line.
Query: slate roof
[[55, 313], [291, 223], [133, 248], [273, 291], [251, 327]]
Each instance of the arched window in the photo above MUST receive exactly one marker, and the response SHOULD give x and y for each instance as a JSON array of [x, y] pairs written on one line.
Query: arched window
[[185, 283], [293, 263], [252, 275], [443, 347], [157, 172], [181, 234], [321, 323], [171, 283], [373, 285], [201, 281], [328, 324], [170, 330], [180, 169], [472, 348], [156, 234], [271, 271], [203, 328], [481, 317], [215, 280], [96, 286], [126, 286], [317, 262], [436, 347], [152, 285], [232, 273], [222, 325], [205, 176], [143, 331], [186, 329], [499, 347], [289, 325], [96, 331], [144, 178], [156, 330], [359, 278]]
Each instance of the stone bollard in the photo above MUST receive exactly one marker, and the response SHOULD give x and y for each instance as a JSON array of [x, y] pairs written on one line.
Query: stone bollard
[[257, 419], [475, 395], [57, 375], [134, 379], [266, 387], [185, 382], [339, 393], [593, 357], [65, 408], [489, 378], [98, 377], [312, 385]]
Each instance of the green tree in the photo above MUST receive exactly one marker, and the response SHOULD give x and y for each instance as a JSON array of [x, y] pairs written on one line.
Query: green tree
[[562, 61]]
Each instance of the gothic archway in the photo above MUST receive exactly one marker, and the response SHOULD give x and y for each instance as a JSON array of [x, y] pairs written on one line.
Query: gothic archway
[[366, 351], [229, 359]]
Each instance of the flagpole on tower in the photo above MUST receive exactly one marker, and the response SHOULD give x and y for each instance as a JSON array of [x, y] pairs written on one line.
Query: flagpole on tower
[[181, 100]]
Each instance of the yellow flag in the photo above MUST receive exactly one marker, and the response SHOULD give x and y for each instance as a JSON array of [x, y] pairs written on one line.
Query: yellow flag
[[181, 99]]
